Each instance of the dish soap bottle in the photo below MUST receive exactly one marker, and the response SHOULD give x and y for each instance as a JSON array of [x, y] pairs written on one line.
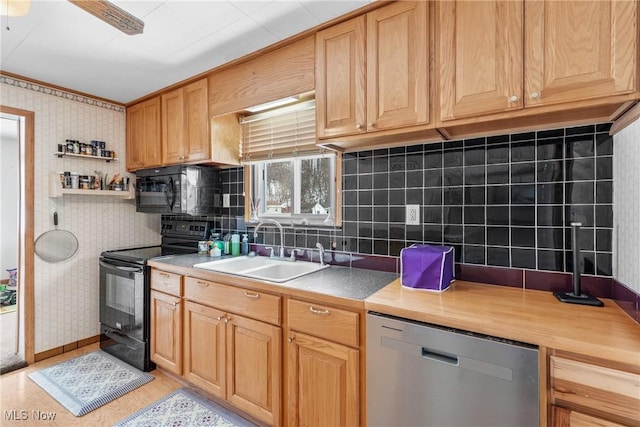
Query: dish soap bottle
[[244, 247], [235, 245]]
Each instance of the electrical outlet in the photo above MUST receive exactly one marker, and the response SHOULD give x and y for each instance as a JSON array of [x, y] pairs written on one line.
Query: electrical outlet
[[226, 200], [413, 215]]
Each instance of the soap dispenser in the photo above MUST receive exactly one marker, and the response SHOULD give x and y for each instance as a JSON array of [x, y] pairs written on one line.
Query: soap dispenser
[[244, 247]]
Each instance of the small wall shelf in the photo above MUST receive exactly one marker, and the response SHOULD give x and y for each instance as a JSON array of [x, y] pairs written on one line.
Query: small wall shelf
[[55, 190], [85, 156]]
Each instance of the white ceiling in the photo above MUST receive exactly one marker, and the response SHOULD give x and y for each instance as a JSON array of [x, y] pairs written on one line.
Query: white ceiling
[[60, 44]]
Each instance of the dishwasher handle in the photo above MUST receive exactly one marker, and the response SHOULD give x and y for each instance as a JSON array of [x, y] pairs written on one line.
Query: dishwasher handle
[[437, 356]]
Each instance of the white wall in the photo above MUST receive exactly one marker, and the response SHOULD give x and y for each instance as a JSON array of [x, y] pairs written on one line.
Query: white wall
[[66, 293], [626, 206], [9, 196]]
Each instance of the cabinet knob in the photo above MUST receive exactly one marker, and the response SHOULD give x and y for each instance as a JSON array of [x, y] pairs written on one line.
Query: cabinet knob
[[220, 318], [226, 319], [316, 311], [358, 126], [291, 339], [535, 95], [180, 157], [513, 98], [372, 124]]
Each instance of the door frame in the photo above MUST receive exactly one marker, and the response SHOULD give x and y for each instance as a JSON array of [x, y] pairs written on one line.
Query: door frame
[[26, 240]]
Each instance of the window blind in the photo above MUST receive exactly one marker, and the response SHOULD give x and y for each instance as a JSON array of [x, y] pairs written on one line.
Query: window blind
[[285, 132]]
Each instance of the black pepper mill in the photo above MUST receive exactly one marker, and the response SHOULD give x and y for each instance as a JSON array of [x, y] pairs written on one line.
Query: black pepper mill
[[577, 297]]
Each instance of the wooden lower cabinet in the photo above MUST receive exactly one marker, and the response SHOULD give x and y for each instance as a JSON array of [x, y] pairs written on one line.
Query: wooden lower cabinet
[[254, 367], [204, 348], [586, 391], [562, 417], [234, 358], [166, 331], [323, 382]]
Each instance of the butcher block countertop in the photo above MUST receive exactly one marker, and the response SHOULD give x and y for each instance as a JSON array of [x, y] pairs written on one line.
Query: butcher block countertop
[[529, 316]]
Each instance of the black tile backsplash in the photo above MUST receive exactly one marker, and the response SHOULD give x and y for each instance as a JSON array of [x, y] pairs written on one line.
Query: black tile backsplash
[[505, 200]]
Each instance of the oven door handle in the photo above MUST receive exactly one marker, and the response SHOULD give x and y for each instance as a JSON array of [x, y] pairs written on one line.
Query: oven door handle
[[123, 268]]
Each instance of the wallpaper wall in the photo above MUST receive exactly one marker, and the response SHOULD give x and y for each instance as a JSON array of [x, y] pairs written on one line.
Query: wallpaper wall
[[626, 206], [66, 293]]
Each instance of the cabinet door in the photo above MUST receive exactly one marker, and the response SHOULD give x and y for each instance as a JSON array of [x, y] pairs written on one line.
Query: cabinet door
[[579, 50], [135, 137], [323, 384], [562, 417], [173, 127], [253, 368], [340, 79], [397, 66], [166, 331], [479, 66], [197, 143], [143, 135], [204, 348], [152, 133]]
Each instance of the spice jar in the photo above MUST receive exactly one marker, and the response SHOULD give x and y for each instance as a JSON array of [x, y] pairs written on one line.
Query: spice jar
[[75, 180], [85, 183]]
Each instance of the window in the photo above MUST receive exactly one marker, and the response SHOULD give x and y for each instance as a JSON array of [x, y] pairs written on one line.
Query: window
[[289, 176], [298, 188]]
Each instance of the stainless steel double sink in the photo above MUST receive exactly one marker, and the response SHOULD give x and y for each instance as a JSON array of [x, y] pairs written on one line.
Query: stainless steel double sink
[[262, 268]]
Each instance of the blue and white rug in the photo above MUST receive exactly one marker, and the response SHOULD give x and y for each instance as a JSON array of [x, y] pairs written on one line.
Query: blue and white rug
[[184, 408], [87, 382]]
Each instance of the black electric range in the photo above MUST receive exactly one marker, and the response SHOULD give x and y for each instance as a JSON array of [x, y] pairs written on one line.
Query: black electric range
[[125, 291], [178, 237]]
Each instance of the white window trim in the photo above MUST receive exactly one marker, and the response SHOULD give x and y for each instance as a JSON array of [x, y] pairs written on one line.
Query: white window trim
[[257, 186]]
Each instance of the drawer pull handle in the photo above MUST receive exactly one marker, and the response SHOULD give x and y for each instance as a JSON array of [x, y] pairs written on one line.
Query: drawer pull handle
[[316, 311], [164, 275], [202, 284], [252, 295]]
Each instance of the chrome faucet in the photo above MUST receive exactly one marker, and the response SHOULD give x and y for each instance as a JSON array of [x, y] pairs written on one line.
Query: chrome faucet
[[321, 248], [274, 223]]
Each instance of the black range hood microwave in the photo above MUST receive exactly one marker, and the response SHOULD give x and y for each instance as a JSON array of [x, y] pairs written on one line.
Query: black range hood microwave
[[180, 190]]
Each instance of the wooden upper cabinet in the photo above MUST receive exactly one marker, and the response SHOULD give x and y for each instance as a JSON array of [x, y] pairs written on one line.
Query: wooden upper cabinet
[[372, 72], [286, 71], [479, 57], [185, 124], [197, 120], [398, 66], [143, 135], [340, 79], [173, 127], [579, 50], [533, 53]]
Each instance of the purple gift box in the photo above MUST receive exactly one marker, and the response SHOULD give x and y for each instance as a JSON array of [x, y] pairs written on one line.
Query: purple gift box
[[427, 267]]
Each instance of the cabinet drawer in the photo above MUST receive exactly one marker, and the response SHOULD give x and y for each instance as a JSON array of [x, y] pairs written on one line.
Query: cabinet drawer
[[253, 304], [325, 322], [600, 388], [169, 283]]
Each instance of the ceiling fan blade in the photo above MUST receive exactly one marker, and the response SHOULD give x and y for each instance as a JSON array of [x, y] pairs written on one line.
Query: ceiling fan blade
[[112, 15]]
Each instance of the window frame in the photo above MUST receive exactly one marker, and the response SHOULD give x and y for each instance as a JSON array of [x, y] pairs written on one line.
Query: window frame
[[254, 182]]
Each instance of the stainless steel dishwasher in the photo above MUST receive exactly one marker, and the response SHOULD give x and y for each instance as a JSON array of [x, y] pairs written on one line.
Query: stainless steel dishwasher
[[423, 375]]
